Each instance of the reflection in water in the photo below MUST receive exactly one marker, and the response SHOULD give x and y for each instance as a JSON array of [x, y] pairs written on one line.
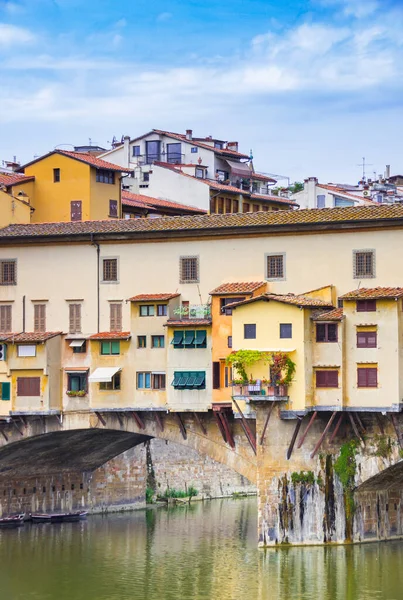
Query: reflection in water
[[206, 551]]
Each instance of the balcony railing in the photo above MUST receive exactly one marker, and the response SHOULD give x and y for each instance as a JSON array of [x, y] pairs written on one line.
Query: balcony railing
[[260, 391], [194, 311], [173, 158]]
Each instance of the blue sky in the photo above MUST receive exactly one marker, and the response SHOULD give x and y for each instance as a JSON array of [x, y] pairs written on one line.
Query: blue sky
[[311, 86]]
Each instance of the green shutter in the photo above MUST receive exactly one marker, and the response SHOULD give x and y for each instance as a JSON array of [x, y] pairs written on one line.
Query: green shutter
[[176, 380], [191, 380], [115, 348], [201, 338], [183, 380], [5, 390], [189, 339], [178, 339], [105, 347], [200, 382]]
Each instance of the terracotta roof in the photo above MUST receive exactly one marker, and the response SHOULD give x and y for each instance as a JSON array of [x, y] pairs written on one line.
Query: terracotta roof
[[295, 300], [155, 203], [111, 335], [331, 315], [270, 221], [195, 142], [14, 178], [339, 191], [278, 199], [152, 297], [84, 157], [187, 322], [374, 293], [31, 336], [247, 287], [262, 177]]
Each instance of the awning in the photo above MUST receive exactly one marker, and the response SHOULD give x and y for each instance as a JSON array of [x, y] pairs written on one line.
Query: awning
[[76, 343], [178, 338], [103, 374], [189, 338], [240, 169], [201, 337]]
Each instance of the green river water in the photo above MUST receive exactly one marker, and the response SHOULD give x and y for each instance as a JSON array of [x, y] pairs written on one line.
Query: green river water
[[206, 551]]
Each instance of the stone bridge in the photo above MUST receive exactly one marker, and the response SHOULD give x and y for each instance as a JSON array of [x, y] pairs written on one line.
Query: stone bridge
[[321, 478]]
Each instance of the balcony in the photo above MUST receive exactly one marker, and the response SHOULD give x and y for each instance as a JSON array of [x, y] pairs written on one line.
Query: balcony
[[260, 392], [174, 158], [193, 311]]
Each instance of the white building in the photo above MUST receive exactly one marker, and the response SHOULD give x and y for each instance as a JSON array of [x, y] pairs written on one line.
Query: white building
[[319, 195]]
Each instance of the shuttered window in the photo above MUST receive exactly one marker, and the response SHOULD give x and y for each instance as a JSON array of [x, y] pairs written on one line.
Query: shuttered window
[[366, 339], [115, 317], [249, 331], [216, 376], [367, 377], [76, 213], [326, 332], [75, 318], [5, 391], [327, 379], [28, 386], [8, 272], [189, 269], [40, 317], [5, 318], [113, 208], [110, 269], [366, 305]]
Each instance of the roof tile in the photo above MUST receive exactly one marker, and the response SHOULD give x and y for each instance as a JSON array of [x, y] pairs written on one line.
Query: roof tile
[[30, 336], [295, 300], [155, 203], [187, 322], [246, 287], [330, 315], [111, 335], [374, 293], [152, 297]]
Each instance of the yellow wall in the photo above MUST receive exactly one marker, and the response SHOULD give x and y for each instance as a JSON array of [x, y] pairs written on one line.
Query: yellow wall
[[112, 398], [100, 195], [13, 210]]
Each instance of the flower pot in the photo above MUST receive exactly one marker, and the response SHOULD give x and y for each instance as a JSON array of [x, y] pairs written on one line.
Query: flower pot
[[282, 390], [271, 390]]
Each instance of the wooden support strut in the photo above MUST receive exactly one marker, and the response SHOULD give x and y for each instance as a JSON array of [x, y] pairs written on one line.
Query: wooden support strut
[[360, 423], [336, 429], [397, 429], [311, 420], [322, 437], [4, 434], [17, 428], [355, 428], [200, 423], [139, 421], [119, 419], [181, 425], [220, 426], [245, 426], [227, 430], [159, 421], [380, 424], [100, 418], [266, 424], [294, 437]]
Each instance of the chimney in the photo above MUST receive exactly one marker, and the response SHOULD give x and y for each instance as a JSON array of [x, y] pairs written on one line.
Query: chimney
[[189, 134], [126, 150], [387, 172], [232, 146]]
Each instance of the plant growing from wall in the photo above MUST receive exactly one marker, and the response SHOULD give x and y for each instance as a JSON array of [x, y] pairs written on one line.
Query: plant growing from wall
[[242, 359], [345, 468], [303, 477], [282, 368]]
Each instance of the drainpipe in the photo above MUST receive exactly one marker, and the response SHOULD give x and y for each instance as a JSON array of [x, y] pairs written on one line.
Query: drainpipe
[[98, 288], [23, 314]]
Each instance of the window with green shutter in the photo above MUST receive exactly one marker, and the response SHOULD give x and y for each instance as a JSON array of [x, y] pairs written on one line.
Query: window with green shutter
[[177, 342], [5, 388], [201, 338], [110, 347], [189, 380]]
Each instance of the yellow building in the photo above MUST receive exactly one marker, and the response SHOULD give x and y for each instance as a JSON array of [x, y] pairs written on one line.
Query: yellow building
[[13, 209], [71, 186]]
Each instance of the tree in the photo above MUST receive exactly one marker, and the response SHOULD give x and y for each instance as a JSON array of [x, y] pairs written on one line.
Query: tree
[[295, 187]]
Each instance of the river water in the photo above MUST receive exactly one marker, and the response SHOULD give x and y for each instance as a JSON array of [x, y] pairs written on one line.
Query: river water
[[205, 551]]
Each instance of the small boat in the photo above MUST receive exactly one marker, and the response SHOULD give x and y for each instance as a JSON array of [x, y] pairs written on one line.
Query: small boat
[[14, 521], [39, 518], [68, 517]]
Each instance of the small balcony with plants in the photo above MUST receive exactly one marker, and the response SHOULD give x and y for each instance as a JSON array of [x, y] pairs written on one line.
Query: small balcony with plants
[[261, 376]]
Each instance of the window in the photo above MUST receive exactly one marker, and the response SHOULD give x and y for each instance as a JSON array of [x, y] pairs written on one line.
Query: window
[[111, 385], [147, 310], [275, 266], [228, 207], [28, 386], [153, 151], [199, 173], [220, 205], [285, 331], [320, 201], [364, 263], [225, 301], [245, 207], [218, 145], [189, 269], [227, 376], [115, 316], [141, 341], [146, 176], [157, 341], [229, 341], [193, 380], [340, 303], [80, 346], [105, 176], [5, 390], [136, 150], [113, 208], [5, 317], [366, 339], [110, 269], [75, 318], [194, 150], [367, 377], [158, 381], [56, 175], [366, 306], [40, 317], [216, 375], [255, 207], [174, 153], [76, 210], [77, 382], [144, 381], [249, 332], [162, 310], [25, 350], [327, 379], [221, 175], [235, 206], [326, 332], [190, 339], [8, 272], [110, 347]]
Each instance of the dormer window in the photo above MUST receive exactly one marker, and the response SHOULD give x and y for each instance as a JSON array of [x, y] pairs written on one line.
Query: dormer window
[[366, 305], [218, 145]]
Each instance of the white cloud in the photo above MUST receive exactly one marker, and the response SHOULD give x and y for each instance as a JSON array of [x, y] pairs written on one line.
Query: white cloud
[[354, 8], [11, 35]]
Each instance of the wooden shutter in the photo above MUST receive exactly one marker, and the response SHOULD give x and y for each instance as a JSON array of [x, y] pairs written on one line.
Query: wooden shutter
[[28, 386], [75, 318], [40, 317], [5, 390], [76, 210], [372, 377], [5, 318], [320, 378], [362, 377], [216, 376], [115, 317], [332, 379]]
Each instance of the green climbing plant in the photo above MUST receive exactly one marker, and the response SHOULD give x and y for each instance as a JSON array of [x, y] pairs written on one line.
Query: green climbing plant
[[242, 359]]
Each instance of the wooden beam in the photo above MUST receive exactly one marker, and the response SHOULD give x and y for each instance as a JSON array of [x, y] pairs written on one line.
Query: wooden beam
[[294, 437], [322, 437], [159, 421], [181, 425], [311, 420], [360, 423], [139, 421], [200, 423], [100, 418], [59, 418], [266, 423], [355, 428], [24, 421], [4, 434], [397, 429], [119, 419], [380, 424], [17, 428], [245, 426], [336, 429], [227, 429], [220, 425]]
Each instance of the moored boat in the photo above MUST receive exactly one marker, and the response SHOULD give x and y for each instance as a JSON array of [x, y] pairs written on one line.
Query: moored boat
[[13, 521], [40, 518], [58, 517]]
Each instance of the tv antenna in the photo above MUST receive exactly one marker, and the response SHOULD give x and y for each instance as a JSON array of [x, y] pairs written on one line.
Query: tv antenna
[[363, 165]]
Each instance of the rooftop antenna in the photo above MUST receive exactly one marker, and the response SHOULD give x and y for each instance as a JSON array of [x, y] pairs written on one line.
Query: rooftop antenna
[[363, 165], [89, 141]]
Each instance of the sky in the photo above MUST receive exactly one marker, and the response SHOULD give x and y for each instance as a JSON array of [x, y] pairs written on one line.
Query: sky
[[309, 86]]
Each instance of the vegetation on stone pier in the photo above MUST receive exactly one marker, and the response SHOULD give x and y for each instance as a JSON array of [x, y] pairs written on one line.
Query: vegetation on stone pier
[[345, 467], [303, 477], [173, 493]]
